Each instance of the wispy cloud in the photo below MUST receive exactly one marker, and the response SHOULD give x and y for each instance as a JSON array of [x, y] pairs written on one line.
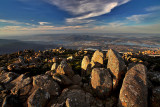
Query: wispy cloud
[[85, 9], [44, 23], [139, 18], [10, 21], [14, 22], [153, 8]]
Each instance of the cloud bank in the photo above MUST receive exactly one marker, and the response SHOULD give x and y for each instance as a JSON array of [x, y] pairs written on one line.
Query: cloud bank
[[84, 9]]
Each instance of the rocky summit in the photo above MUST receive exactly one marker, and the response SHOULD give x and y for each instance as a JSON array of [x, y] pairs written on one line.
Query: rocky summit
[[79, 78]]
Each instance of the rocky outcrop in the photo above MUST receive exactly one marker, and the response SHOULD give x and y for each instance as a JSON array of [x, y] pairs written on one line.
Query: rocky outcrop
[[47, 84], [85, 66], [38, 98], [116, 66], [134, 89], [76, 98], [97, 59], [65, 69], [101, 82]]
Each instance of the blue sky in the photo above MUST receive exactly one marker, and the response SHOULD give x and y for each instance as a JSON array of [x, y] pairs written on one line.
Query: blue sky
[[19, 17]]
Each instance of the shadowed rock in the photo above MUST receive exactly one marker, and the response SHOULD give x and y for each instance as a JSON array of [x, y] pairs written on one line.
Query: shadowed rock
[[62, 79], [101, 81], [155, 99], [134, 89], [76, 98], [46, 83], [11, 101], [38, 98], [116, 66], [154, 77]]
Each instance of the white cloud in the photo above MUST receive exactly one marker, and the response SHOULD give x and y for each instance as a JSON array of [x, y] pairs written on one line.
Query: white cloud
[[77, 21], [85, 9], [44, 23], [139, 18], [153, 8], [10, 21], [116, 24], [14, 22]]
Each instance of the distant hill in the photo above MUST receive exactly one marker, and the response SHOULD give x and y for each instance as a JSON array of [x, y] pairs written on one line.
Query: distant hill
[[9, 46]]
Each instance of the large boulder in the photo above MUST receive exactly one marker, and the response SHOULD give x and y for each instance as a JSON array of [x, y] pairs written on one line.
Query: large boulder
[[85, 66], [101, 81], [155, 98], [76, 79], [38, 98], [76, 98], [65, 69], [134, 89], [46, 83], [97, 59], [116, 66]]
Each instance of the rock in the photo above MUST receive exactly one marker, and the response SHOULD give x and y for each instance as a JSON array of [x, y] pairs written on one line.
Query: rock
[[116, 66], [11, 101], [46, 83], [54, 66], [50, 73], [70, 58], [85, 66], [65, 69], [54, 59], [76, 79], [7, 77], [76, 98], [110, 102], [16, 81], [23, 87], [1, 87], [101, 82], [21, 59], [97, 59], [154, 77], [62, 79], [155, 99], [134, 89], [2, 69], [38, 98]]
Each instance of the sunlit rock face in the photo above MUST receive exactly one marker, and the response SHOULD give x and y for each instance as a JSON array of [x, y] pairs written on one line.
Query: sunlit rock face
[[134, 89]]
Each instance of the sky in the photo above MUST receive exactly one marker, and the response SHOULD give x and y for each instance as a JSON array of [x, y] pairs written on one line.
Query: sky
[[27, 17]]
